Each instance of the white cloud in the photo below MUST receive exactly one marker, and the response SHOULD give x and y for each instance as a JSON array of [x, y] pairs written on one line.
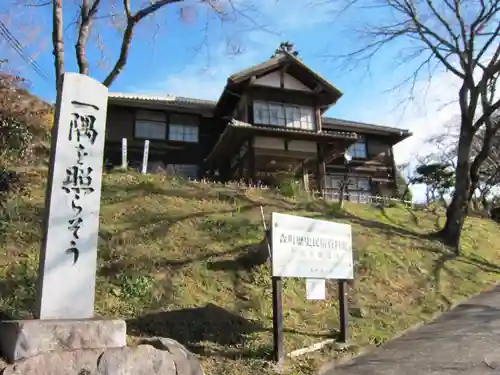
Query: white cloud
[[258, 43], [431, 107], [198, 81]]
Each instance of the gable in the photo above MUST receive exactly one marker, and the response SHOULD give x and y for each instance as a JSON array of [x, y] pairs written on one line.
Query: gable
[[273, 79], [300, 78]]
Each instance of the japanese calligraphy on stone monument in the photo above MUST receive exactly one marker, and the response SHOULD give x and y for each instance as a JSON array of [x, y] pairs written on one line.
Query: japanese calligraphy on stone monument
[[69, 253], [304, 247], [82, 134]]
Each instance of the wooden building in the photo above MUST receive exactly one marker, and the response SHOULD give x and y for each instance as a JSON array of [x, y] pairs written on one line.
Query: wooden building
[[268, 120]]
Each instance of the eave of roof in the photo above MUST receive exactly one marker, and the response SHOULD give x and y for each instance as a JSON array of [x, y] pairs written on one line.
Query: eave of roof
[[329, 134], [361, 126], [167, 100], [274, 62], [239, 126]]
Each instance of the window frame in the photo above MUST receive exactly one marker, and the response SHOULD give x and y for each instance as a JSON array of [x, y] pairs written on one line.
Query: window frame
[[184, 134], [261, 108], [354, 149], [138, 118], [183, 121], [151, 116]]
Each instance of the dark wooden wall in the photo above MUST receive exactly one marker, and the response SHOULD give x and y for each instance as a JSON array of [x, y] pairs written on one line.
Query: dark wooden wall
[[120, 124]]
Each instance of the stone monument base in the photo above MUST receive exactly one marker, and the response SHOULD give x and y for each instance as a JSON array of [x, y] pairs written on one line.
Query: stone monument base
[[21, 339], [153, 356]]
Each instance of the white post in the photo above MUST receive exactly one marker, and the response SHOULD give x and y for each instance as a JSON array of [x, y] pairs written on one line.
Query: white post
[[145, 157], [124, 154], [68, 255]]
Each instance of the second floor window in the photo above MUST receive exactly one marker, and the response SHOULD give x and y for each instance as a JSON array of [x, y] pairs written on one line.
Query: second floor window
[[358, 150], [289, 116]]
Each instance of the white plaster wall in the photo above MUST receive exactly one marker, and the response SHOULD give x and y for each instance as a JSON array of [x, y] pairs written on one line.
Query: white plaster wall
[[273, 80], [292, 83], [304, 146], [269, 142]]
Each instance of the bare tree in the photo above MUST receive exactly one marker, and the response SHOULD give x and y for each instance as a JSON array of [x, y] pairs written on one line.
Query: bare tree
[[489, 171], [125, 16], [463, 37], [445, 147]]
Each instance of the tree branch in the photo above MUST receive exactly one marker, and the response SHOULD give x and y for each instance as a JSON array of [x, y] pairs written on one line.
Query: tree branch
[[487, 45], [486, 114], [58, 41], [87, 12], [480, 158], [132, 21]]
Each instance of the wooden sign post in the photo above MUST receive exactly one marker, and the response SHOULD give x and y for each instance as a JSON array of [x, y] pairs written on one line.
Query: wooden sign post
[[311, 249], [344, 312], [278, 326]]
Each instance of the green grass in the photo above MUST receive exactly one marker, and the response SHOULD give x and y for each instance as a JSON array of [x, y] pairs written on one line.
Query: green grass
[[186, 261]]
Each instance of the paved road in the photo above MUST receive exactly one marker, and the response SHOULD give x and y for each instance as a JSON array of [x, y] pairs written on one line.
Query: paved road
[[465, 340]]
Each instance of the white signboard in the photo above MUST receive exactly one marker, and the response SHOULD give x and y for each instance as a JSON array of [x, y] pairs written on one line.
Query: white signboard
[[315, 289], [317, 249], [66, 284]]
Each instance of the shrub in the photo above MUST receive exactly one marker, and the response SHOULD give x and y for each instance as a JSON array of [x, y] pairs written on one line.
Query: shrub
[[290, 188]]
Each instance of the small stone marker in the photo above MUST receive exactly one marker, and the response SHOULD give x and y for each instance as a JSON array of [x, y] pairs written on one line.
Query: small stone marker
[[124, 154], [68, 258], [145, 157]]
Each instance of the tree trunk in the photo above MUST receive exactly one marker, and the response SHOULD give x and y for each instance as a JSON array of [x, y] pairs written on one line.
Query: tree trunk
[[484, 203], [58, 41], [442, 200], [484, 200], [405, 193], [341, 196], [343, 189], [459, 206]]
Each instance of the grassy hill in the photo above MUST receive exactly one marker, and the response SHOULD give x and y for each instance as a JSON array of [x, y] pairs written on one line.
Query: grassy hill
[[186, 261]]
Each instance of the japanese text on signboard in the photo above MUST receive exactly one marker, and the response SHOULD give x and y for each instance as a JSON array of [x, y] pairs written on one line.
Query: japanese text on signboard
[[313, 241]]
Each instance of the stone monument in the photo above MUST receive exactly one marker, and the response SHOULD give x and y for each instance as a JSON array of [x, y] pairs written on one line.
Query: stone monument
[[68, 258], [66, 338]]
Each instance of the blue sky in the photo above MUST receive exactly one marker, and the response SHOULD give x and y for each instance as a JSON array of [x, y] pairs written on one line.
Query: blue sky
[[179, 57]]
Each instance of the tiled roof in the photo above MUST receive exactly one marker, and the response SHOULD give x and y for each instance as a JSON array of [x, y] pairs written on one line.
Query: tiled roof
[[362, 126], [241, 124], [263, 65], [170, 99]]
